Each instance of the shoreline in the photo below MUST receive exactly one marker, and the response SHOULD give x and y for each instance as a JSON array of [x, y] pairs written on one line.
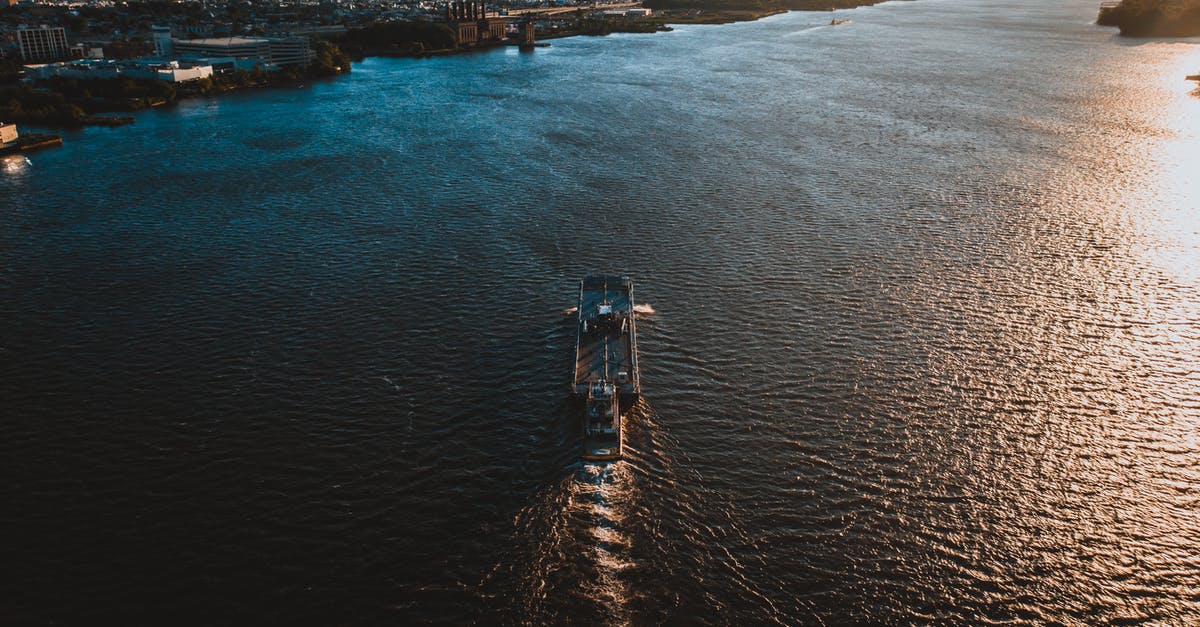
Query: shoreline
[[661, 22], [30, 142]]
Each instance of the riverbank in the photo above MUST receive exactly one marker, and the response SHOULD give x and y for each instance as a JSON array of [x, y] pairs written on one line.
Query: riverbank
[[72, 103], [429, 39], [702, 16], [30, 142]]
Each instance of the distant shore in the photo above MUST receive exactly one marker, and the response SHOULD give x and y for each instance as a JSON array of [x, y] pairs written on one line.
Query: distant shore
[[418, 42], [75, 103], [68, 102], [1152, 18]]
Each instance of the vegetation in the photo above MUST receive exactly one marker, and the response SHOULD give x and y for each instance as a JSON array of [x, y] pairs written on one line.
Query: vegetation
[[62, 101], [598, 26], [112, 94], [38, 107], [398, 38], [330, 60], [1153, 18], [10, 71]]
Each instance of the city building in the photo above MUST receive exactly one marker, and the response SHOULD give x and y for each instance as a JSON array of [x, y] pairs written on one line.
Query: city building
[[8, 133], [86, 51], [163, 47], [268, 50], [39, 45]]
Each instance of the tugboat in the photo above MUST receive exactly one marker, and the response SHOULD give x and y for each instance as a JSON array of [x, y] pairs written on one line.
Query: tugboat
[[606, 369]]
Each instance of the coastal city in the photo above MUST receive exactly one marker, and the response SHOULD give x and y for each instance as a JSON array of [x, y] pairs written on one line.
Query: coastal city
[[85, 63], [271, 35]]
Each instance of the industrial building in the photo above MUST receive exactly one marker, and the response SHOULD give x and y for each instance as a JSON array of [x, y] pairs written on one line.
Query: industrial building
[[268, 50], [42, 44], [471, 25]]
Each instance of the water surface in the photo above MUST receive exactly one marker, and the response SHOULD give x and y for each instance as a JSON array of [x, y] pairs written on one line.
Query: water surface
[[926, 323]]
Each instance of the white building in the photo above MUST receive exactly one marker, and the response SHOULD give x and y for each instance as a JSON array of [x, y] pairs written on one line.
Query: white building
[[91, 69], [42, 44], [269, 50], [8, 133], [630, 12]]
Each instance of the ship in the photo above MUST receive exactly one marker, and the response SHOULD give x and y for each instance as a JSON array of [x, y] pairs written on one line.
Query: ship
[[606, 368]]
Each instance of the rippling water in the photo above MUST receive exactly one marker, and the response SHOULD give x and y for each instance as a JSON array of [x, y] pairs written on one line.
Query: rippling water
[[926, 294]]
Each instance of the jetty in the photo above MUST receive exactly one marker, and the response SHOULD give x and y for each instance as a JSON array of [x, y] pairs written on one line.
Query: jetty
[[12, 142]]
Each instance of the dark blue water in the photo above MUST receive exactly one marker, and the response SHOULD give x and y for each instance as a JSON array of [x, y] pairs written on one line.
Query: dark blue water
[[921, 341]]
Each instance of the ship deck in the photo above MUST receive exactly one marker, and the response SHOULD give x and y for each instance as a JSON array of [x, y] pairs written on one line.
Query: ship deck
[[601, 450], [601, 355]]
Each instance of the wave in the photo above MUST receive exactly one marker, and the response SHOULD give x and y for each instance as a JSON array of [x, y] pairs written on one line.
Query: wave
[[641, 309]]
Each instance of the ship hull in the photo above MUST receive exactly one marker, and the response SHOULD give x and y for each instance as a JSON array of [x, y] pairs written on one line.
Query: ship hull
[[606, 368]]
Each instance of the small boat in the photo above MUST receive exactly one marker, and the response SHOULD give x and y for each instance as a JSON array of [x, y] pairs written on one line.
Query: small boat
[[606, 368], [834, 21]]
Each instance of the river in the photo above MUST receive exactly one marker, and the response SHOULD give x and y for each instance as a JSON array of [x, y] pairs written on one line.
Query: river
[[921, 339]]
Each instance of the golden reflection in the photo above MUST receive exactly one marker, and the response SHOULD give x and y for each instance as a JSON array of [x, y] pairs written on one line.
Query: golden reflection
[[1158, 307], [1110, 438], [607, 488], [1177, 185], [1169, 190], [15, 164]]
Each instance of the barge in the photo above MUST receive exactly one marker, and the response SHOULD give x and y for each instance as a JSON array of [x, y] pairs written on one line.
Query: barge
[[606, 368]]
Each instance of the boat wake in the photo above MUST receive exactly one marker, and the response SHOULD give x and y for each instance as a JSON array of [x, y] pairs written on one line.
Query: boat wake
[[642, 310], [572, 551], [601, 493]]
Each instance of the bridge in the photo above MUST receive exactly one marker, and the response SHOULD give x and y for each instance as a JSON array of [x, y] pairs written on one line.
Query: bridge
[[547, 11]]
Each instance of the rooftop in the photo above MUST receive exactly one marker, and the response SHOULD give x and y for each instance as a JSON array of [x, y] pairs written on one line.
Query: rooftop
[[225, 41]]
